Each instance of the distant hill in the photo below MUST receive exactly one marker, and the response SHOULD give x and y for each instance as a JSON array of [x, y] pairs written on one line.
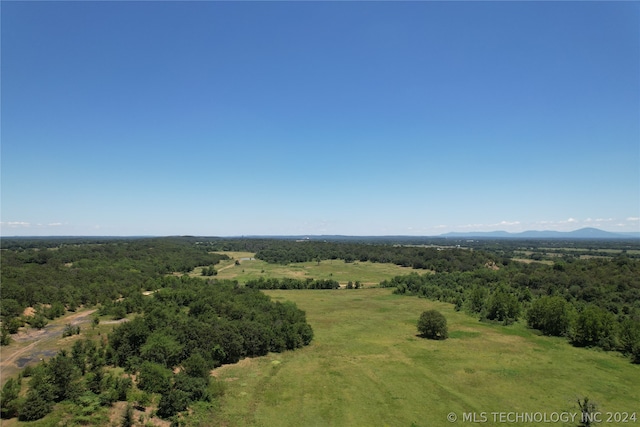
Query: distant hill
[[583, 233]]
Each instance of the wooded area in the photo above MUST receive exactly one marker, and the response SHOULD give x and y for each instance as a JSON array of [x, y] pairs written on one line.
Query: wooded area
[[190, 325]]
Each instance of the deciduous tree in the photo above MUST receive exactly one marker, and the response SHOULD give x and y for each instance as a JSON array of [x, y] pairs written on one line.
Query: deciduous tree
[[432, 324]]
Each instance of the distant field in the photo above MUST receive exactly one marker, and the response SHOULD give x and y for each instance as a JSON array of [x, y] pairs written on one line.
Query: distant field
[[367, 367], [611, 251], [367, 273]]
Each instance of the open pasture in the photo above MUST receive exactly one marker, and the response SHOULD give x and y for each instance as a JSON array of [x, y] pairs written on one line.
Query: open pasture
[[249, 268], [366, 367]]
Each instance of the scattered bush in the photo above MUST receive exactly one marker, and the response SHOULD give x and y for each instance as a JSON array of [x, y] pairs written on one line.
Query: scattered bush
[[432, 324], [70, 330]]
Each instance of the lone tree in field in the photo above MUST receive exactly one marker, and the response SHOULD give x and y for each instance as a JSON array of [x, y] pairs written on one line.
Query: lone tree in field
[[432, 324]]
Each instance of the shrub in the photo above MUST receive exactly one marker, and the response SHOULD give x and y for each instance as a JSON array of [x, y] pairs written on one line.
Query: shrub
[[35, 407], [173, 402], [551, 315], [432, 324], [154, 378]]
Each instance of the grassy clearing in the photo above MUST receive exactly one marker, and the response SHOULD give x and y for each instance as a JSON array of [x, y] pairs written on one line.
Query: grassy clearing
[[611, 251], [366, 366], [367, 273], [529, 261]]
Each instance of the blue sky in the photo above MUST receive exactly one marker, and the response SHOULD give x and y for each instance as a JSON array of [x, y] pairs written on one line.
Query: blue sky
[[359, 118]]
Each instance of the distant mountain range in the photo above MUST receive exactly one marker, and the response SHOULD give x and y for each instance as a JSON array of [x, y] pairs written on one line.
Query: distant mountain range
[[583, 233]]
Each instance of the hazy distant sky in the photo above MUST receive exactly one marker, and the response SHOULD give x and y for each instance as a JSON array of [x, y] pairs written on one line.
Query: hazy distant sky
[[359, 118]]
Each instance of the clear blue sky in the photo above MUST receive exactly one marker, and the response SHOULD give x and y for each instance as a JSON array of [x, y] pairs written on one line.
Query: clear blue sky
[[359, 118]]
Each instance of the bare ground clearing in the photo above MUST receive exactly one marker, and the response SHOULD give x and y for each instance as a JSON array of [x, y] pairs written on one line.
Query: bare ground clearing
[[34, 344]]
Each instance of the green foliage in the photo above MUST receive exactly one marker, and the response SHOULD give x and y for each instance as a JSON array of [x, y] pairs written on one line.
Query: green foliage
[[201, 323], [79, 356], [118, 312], [126, 340], [122, 387], [140, 398], [88, 272], [196, 366], [70, 330], [63, 372], [503, 306], [432, 324], [94, 379], [35, 407], [161, 348], [127, 417], [42, 383], [38, 321], [635, 353], [154, 378], [436, 259], [585, 300], [629, 335], [551, 315], [56, 310], [594, 327], [209, 271], [196, 388], [10, 308], [5, 338], [477, 299], [289, 283], [14, 324], [173, 402], [9, 402], [223, 323]]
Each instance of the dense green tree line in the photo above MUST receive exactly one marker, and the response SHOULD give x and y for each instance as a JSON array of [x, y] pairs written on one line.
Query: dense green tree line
[[285, 251], [593, 302], [240, 321], [437, 259], [289, 283]]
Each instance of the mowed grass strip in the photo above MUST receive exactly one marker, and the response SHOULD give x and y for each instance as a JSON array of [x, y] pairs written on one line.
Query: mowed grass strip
[[367, 367], [249, 268]]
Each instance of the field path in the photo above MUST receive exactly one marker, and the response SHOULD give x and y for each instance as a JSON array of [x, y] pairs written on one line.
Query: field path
[[14, 356], [226, 267]]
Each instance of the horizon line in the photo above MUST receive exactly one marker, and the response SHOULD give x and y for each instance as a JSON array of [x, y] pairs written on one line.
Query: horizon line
[[443, 235]]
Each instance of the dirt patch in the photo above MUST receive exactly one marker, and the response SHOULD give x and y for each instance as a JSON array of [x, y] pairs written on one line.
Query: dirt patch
[[29, 312], [492, 266], [40, 355], [116, 413]]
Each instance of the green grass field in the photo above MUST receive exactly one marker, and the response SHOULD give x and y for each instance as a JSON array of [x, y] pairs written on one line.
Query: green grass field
[[367, 273], [367, 367]]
